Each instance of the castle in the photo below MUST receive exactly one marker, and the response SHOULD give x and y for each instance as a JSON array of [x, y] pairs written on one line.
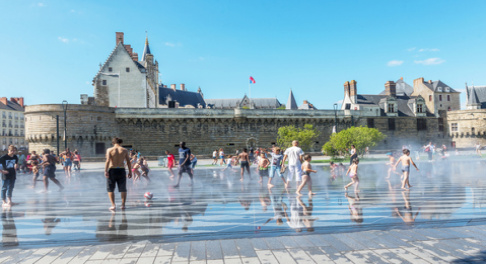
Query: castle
[[130, 102]]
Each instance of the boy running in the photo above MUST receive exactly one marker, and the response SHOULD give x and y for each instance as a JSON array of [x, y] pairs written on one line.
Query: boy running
[[306, 178], [406, 160], [263, 167], [276, 166]]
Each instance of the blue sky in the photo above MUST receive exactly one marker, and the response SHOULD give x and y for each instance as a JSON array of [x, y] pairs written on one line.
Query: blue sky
[[51, 50]]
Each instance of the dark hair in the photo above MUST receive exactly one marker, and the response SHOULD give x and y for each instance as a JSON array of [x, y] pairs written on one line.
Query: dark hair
[[406, 151], [116, 140], [307, 156], [182, 144], [245, 150], [356, 160], [47, 151]]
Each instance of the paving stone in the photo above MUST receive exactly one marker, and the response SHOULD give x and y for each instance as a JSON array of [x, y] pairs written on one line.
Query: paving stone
[[198, 250], [266, 257], [166, 249], [390, 257], [425, 255], [408, 256], [318, 241], [288, 242], [118, 251], [101, 253], [253, 260], [182, 251], [14, 256], [274, 243], [300, 256], [83, 256], [433, 250], [259, 244], [68, 255], [213, 250], [36, 255], [229, 249], [303, 242], [150, 250], [163, 259], [283, 256], [337, 243], [232, 261], [135, 250], [246, 248], [146, 260], [52, 255]]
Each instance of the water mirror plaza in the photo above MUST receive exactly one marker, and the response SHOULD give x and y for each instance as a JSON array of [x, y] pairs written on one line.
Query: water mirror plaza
[[218, 209]]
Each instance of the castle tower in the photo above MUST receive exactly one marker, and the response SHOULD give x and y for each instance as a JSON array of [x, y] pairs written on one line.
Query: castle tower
[[472, 98], [291, 104], [146, 49]]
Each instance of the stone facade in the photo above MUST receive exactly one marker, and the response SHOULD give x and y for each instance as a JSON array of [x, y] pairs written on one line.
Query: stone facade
[[467, 127], [438, 96], [12, 121], [90, 128]]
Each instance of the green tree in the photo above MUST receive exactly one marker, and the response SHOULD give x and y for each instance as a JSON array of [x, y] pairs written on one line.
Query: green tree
[[305, 136], [360, 137]]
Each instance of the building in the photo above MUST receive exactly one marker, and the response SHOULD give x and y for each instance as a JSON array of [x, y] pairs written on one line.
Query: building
[[438, 95], [124, 80], [173, 98], [12, 118], [476, 97], [245, 102]]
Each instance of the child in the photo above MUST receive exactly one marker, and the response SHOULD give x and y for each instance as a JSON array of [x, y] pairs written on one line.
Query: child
[[10, 163], [35, 171], [263, 167], [406, 160], [229, 163], [306, 179], [333, 167], [353, 174], [391, 164], [170, 163], [276, 166]]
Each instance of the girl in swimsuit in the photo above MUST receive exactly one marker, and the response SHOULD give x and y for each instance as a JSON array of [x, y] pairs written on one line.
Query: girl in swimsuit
[[306, 179], [353, 174]]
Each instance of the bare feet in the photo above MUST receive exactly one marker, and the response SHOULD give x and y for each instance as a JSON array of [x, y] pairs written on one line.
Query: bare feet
[[311, 193], [241, 180], [298, 193], [260, 181], [345, 188], [113, 208], [270, 185], [123, 207]]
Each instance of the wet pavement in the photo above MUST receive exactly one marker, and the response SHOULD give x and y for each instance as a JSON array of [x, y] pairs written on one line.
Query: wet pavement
[[445, 194]]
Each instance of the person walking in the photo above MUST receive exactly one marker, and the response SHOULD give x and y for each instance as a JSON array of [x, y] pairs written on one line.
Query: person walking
[[115, 172], [184, 163], [294, 154]]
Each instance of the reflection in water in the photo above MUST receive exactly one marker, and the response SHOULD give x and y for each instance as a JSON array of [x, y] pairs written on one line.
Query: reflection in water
[[50, 221], [308, 220], [110, 231], [355, 208], [9, 233], [406, 212]]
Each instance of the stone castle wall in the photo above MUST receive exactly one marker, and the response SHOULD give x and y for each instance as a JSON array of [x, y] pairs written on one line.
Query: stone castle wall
[[467, 127], [152, 131]]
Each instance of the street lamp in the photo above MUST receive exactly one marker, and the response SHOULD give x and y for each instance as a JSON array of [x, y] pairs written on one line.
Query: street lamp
[[335, 117], [64, 107]]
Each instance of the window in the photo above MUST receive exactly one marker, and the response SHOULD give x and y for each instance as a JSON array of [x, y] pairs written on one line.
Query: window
[[440, 97], [421, 124], [100, 148], [110, 69], [391, 124], [371, 123], [420, 108], [449, 108], [391, 108], [473, 130], [430, 98], [448, 97], [348, 106], [127, 69], [441, 124], [454, 127], [104, 82]]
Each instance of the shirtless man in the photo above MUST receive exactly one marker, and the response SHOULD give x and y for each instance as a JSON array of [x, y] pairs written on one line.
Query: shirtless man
[[49, 169], [244, 159], [115, 172], [406, 160]]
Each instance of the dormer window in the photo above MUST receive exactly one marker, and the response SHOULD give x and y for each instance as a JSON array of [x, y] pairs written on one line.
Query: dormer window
[[447, 89], [420, 108], [391, 108], [439, 89]]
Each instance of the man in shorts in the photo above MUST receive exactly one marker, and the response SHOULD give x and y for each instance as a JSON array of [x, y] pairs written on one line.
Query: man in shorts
[[115, 172], [294, 154], [184, 163], [244, 159], [49, 164]]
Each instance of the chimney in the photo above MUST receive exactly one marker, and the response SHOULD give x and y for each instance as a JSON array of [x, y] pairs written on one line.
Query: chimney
[[430, 81], [401, 78], [183, 87], [3, 100], [119, 37], [13, 100], [418, 82], [305, 102], [129, 49], [173, 87], [135, 56], [353, 90], [346, 88], [390, 88]]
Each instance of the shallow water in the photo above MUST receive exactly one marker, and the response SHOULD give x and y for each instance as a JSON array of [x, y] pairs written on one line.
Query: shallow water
[[218, 206]]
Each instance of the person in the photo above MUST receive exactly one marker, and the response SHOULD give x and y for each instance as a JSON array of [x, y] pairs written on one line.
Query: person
[[406, 160], [276, 166], [10, 163], [77, 160], [354, 154], [221, 156], [115, 172], [193, 162], [353, 174], [251, 155], [35, 171], [68, 162], [333, 167], [22, 163], [49, 165], [244, 159], [294, 154], [140, 168], [307, 169], [391, 165], [478, 149], [263, 167], [229, 163], [170, 163], [215, 157], [429, 150], [184, 163]]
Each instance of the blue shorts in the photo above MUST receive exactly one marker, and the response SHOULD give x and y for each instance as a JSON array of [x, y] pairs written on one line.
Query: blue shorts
[[68, 162], [275, 169]]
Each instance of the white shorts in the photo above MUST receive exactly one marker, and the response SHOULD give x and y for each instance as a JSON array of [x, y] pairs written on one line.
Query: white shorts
[[297, 170]]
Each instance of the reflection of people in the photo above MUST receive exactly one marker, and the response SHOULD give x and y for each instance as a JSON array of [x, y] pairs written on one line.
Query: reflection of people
[[49, 224], [407, 214], [109, 231], [307, 218], [9, 232], [278, 207], [355, 210], [296, 214]]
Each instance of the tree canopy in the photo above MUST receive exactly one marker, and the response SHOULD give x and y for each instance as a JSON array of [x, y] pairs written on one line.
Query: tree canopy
[[360, 137], [306, 136]]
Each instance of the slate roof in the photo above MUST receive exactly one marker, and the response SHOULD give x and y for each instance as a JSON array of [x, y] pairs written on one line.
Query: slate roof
[[439, 84], [182, 97], [259, 103], [291, 104], [307, 106], [402, 88], [146, 49], [476, 95], [11, 106], [405, 103]]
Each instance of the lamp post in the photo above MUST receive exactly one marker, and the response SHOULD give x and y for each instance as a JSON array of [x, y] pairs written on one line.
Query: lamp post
[[64, 107], [335, 116]]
